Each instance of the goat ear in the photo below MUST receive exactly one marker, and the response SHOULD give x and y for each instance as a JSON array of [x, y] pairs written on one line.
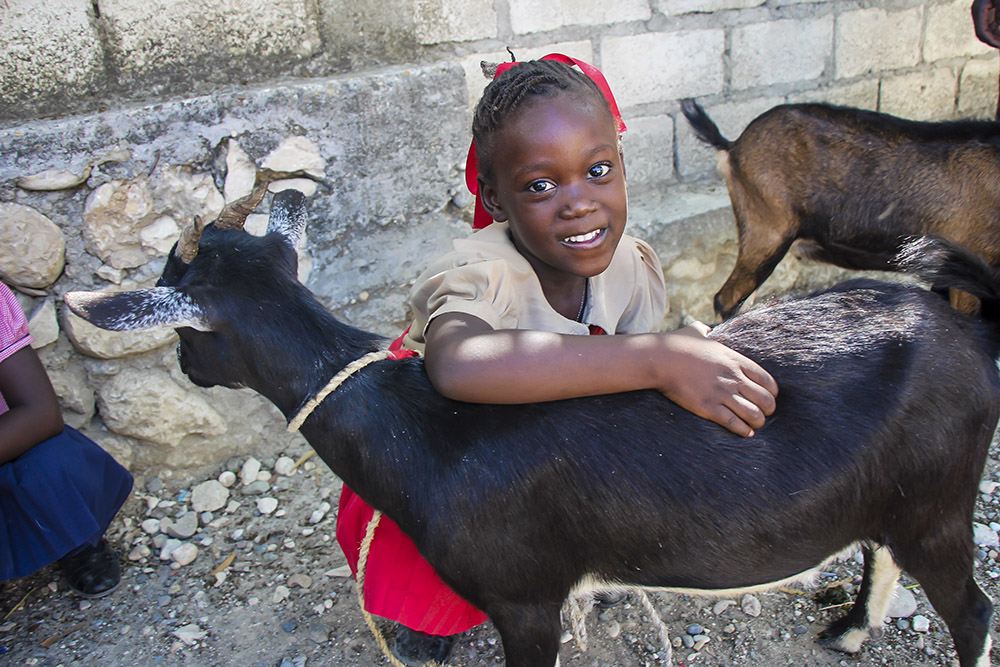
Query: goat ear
[[288, 215], [140, 310]]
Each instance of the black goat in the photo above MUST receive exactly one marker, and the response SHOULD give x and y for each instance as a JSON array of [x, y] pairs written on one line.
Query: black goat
[[889, 402], [851, 185]]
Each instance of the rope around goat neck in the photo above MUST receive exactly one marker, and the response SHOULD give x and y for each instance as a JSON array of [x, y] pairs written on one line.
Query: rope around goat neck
[[366, 544], [337, 380]]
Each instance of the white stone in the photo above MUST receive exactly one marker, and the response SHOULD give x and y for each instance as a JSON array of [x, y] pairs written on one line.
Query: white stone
[[183, 528], [166, 36], [280, 594], [184, 554], [44, 325], [113, 215], [190, 634], [440, 21], [750, 605], [984, 536], [160, 235], [32, 247], [785, 51], [267, 505], [874, 40], [149, 405], [904, 603], [320, 512], [150, 526], [920, 95], [54, 179], [529, 16], [977, 89], [248, 473], [209, 496], [950, 34], [139, 552], [241, 173], [300, 580], [296, 154], [169, 546], [921, 624], [688, 63], [284, 466]]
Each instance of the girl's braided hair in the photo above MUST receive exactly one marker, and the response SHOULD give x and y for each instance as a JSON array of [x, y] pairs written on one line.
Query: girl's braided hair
[[508, 92]]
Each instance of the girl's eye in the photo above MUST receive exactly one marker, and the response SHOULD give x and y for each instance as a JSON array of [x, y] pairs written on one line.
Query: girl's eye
[[599, 170], [537, 187]]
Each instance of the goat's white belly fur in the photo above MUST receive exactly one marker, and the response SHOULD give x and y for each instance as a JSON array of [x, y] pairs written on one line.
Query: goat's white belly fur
[[805, 579]]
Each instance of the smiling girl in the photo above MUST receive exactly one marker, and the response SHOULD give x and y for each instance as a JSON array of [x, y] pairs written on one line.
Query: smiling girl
[[504, 316]]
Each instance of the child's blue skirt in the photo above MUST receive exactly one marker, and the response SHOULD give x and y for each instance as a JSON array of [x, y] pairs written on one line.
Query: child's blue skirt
[[58, 496]]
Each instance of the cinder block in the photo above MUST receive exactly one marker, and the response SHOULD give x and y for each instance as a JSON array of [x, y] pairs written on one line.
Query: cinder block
[[454, 20], [677, 7], [860, 94], [874, 40], [50, 47], [528, 16], [475, 81], [161, 35], [648, 147], [697, 159], [781, 51], [950, 33], [920, 95], [977, 89], [657, 67]]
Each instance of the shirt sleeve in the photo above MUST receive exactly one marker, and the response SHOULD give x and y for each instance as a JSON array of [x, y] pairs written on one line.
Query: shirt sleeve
[[14, 333], [647, 305], [482, 288]]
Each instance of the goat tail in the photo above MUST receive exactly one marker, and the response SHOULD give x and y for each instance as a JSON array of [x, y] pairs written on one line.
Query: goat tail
[[946, 265], [703, 126]]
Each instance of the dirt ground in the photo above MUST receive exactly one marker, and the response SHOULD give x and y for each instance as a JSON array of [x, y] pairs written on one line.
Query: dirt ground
[[269, 589]]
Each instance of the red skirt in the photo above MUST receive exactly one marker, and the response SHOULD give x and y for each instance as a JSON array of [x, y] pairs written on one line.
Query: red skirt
[[399, 584]]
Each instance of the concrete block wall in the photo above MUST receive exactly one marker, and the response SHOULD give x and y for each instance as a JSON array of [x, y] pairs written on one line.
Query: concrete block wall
[[110, 104]]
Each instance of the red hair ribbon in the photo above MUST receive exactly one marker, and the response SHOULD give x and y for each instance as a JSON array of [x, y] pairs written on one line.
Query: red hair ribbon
[[482, 218]]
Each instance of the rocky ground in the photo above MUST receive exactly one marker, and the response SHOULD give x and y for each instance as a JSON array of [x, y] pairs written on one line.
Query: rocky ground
[[240, 567]]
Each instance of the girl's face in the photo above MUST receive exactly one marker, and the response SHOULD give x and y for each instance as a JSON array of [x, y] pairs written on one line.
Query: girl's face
[[560, 183]]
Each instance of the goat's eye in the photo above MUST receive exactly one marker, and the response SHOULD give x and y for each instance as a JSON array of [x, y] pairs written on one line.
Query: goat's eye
[[540, 186], [599, 170]]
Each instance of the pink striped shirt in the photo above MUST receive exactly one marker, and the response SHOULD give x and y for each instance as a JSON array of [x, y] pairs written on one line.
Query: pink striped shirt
[[13, 330]]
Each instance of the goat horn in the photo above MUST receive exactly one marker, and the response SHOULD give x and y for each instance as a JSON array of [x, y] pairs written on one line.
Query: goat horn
[[187, 244], [234, 215]]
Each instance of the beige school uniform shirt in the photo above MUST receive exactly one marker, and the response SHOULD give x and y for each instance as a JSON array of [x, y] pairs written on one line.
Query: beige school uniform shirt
[[486, 277]]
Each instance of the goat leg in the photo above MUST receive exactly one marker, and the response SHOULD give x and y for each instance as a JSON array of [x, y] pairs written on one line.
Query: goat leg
[[530, 633]]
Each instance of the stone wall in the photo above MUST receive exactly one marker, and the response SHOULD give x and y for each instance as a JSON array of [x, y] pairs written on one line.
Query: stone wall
[[121, 120]]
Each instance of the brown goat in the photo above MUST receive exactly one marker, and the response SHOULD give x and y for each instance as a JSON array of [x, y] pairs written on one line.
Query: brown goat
[[851, 186]]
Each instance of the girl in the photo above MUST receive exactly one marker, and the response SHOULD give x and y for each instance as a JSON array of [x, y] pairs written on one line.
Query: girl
[[499, 318], [58, 490]]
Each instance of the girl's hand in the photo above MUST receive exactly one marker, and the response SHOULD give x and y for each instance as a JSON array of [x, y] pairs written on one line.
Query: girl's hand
[[714, 382]]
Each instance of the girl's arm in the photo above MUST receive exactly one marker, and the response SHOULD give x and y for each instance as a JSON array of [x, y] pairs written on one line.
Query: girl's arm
[[34, 414], [468, 361]]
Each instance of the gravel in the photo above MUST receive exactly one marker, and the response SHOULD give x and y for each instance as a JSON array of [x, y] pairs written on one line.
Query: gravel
[[259, 580]]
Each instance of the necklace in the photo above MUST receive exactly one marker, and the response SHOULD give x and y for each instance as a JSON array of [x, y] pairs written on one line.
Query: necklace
[[583, 300]]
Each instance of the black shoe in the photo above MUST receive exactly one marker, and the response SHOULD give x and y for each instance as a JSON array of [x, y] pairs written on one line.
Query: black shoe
[[416, 648], [94, 572]]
